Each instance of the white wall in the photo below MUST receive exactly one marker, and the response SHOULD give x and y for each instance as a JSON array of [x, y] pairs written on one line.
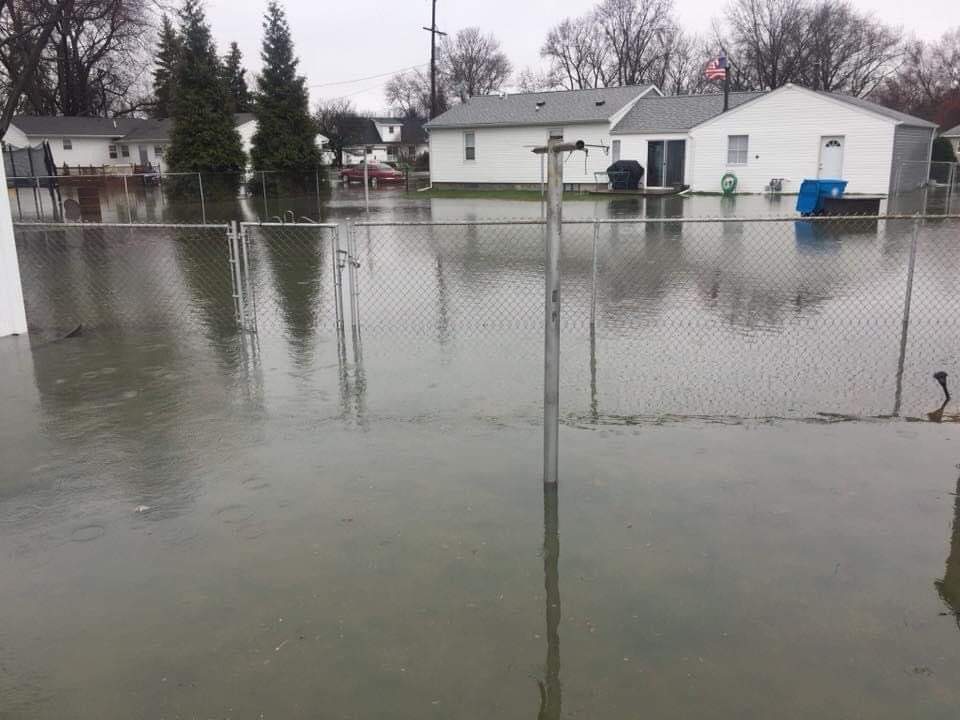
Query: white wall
[[504, 155], [386, 134], [15, 137], [96, 152], [12, 316], [785, 128]]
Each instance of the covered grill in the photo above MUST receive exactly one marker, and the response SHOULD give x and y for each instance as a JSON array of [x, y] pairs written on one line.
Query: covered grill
[[625, 174]]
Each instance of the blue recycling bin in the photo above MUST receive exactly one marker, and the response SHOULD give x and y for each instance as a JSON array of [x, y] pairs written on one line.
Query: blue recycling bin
[[812, 192]]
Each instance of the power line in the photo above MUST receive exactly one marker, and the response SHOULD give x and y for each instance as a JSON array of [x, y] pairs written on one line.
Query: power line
[[370, 77]]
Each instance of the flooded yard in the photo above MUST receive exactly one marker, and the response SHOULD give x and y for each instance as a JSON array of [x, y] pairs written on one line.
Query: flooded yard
[[185, 536], [297, 520]]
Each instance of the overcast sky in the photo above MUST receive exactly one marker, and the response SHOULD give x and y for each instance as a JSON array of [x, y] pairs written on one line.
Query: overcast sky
[[345, 41]]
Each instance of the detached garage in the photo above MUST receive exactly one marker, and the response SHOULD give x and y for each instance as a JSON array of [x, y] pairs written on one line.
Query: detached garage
[[795, 133]]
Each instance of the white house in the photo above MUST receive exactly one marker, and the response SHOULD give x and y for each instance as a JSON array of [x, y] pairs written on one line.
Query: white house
[[796, 133], [120, 145], [790, 133], [487, 141], [953, 135]]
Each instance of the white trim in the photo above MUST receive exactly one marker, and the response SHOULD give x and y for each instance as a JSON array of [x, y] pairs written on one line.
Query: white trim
[[464, 157], [618, 115]]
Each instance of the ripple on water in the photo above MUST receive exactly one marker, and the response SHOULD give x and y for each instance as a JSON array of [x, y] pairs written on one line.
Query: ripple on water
[[86, 533], [234, 514]]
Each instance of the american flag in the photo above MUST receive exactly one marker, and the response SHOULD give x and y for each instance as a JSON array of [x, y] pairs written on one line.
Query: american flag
[[717, 68]]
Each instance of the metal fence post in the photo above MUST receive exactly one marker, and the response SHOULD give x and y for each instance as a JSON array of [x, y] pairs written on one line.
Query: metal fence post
[[126, 199], [352, 265], [593, 326], [905, 326], [338, 278], [203, 204], [551, 352], [235, 273], [251, 294]]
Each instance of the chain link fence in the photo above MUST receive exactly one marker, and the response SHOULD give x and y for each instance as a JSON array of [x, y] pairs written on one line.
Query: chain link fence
[[771, 317]]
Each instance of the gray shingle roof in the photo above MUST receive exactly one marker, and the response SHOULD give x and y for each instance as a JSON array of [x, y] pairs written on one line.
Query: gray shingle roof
[[151, 130], [55, 126], [677, 113], [952, 132], [126, 128], [878, 109], [540, 108]]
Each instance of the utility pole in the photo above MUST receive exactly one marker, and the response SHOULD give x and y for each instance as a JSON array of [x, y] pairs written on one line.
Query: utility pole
[[433, 59]]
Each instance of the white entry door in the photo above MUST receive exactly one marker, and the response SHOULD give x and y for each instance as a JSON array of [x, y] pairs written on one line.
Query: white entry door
[[831, 157]]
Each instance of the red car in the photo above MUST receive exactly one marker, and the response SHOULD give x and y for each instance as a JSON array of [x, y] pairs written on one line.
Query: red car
[[376, 174]]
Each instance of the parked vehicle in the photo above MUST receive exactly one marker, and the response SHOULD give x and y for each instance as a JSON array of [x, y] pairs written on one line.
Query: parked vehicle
[[376, 173]]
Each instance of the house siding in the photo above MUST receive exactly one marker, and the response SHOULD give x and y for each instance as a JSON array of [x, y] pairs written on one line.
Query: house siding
[[911, 158], [785, 128], [505, 157]]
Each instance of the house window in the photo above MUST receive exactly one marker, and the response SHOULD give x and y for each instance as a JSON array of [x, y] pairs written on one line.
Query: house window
[[555, 133], [125, 151], [469, 146], [390, 129], [67, 144], [158, 150], [615, 149], [113, 151], [737, 149]]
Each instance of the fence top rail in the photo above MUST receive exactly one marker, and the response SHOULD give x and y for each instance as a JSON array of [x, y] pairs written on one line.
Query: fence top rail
[[326, 226], [647, 220], [154, 174], [89, 225]]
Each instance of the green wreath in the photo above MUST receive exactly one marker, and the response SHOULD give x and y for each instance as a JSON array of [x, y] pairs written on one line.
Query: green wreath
[[728, 183]]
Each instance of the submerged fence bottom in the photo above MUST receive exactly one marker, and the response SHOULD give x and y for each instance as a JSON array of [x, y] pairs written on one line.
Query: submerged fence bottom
[[688, 317]]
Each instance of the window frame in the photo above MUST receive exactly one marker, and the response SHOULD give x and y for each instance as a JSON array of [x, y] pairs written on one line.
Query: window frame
[[159, 150], [468, 147], [124, 150], [67, 143], [734, 160], [113, 151]]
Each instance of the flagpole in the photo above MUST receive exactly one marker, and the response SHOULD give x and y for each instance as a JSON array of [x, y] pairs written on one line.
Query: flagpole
[[726, 81]]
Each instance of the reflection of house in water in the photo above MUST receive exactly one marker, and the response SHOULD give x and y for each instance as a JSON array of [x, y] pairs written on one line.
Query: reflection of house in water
[[949, 585]]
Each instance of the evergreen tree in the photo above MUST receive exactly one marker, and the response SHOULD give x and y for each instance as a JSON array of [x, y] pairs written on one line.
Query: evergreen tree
[[234, 75], [204, 137], [285, 137], [165, 73]]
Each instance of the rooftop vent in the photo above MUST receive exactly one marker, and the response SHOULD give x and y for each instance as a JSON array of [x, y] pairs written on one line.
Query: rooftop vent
[[598, 103]]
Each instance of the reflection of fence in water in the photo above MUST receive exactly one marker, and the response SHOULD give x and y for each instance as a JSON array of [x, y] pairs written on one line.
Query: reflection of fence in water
[[124, 277], [715, 317], [730, 317]]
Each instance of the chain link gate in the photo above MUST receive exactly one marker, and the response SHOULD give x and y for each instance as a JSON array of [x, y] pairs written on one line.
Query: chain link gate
[[288, 277]]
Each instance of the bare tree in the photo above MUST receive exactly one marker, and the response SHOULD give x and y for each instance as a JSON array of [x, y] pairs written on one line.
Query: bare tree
[[341, 124], [532, 80], [473, 63], [927, 82], [26, 27], [768, 40], [848, 51], [578, 52], [637, 33], [408, 93]]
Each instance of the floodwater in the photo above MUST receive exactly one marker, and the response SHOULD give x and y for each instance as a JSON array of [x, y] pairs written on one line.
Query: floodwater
[[186, 532], [109, 202], [305, 523]]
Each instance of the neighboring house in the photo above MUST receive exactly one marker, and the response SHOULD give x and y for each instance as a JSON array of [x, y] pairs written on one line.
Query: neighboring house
[[120, 145], [791, 133], [953, 135], [386, 139], [487, 141]]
